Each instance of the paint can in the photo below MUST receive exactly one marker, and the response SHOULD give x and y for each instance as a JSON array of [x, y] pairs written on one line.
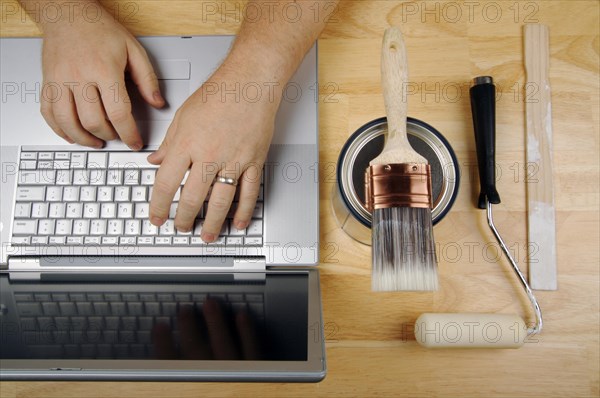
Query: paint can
[[364, 145]]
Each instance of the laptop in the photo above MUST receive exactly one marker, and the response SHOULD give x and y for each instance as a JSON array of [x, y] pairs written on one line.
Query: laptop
[[89, 290]]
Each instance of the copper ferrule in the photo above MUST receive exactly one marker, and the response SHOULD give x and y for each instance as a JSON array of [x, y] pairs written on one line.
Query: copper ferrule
[[398, 185]]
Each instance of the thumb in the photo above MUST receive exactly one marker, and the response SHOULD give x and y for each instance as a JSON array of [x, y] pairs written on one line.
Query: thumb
[[143, 75], [158, 156]]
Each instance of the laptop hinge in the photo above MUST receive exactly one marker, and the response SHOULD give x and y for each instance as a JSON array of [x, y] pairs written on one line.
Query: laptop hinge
[[153, 264]]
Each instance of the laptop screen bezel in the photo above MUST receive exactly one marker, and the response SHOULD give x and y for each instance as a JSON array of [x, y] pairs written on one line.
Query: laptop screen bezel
[[313, 369]]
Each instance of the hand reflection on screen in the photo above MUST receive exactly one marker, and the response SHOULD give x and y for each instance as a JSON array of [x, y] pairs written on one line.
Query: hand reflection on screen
[[212, 333]]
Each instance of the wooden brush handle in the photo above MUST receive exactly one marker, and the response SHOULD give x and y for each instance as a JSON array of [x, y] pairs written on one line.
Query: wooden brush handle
[[394, 76]]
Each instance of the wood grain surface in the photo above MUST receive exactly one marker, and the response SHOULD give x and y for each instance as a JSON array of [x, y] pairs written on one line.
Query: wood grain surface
[[369, 345]]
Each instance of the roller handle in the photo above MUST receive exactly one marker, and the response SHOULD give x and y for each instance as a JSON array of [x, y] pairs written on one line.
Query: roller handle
[[470, 330], [483, 109]]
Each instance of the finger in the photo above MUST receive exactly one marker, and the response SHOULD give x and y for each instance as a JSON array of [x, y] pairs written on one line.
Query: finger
[[48, 115], [249, 189], [222, 342], [91, 113], [168, 180], [192, 197], [249, 342], [118, 109], [143, 75], [164, 346], [194, 344], [218, 207], [158, 156], [65, 115]]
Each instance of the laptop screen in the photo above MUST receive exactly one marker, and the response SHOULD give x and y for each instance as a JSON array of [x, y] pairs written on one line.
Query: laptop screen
[[245, 317]]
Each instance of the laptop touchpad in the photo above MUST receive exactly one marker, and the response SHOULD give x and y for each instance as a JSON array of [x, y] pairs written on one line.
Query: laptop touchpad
[[174, 82]]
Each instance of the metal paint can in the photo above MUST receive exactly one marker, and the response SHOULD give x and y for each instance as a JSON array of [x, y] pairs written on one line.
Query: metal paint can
[[364, 145]]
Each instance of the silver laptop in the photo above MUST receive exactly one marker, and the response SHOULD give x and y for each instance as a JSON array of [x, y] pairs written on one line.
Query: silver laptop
[[91, 290]]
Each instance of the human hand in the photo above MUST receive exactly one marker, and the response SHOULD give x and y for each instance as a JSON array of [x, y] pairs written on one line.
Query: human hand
[[84, 96], [211, 333], [214, 136]]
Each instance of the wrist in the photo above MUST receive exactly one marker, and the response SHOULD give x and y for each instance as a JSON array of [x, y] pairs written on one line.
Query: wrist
[[245, 86], [67, 14]]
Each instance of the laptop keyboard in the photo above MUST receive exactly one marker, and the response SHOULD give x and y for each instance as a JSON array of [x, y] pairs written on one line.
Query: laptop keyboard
[[113, 324], [102, 198]]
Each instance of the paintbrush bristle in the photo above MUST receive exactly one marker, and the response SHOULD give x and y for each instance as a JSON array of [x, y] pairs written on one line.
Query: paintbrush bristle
[[403, 250]]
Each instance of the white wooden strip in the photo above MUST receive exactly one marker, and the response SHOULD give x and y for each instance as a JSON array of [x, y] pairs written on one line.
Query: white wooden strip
[[540, 188]]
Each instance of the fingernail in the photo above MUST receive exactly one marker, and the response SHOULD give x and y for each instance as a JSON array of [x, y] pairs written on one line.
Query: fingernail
[[184, 230], [157, 221], [137, 147], [70, 141], [208, 238], [241, 224], [158, 97]]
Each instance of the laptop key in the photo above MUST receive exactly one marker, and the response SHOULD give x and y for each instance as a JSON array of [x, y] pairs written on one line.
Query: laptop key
[[57, 210], [234, 241], [30, 194], [29, 309], [108, 210], [114, 177], [145, 241], [29, 155], [28, 323], [23, 297], [23, 210], [181, 241], [67, 308], [64, 227], [91, 210], [20, 240], [98, 227], [54, 194], [28, 165], [81, 227], [105, 194], [71, 194], [57, 240], [127, 241], [88, 194], [50, 308], [75, 240], [24, 227], [74, 210], [78, 160], [101, 308], [39, 240], [112, 322], [98, 160]]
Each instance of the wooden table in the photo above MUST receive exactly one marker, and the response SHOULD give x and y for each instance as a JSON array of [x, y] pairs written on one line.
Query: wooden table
[[369, 348]]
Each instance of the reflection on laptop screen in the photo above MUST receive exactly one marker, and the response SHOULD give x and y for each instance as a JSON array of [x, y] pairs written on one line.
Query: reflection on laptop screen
[[191, 319]]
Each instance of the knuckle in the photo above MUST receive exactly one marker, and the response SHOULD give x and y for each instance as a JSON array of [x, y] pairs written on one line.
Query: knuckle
[[91, 124], [161, 188], [119, 114], [219, 203], [190, 203], [62, 118]]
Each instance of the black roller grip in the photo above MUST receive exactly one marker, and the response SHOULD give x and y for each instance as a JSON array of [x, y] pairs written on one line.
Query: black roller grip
[[483, 108]]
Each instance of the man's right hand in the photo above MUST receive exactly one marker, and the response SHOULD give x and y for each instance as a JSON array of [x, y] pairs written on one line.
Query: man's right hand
[[84, 98]]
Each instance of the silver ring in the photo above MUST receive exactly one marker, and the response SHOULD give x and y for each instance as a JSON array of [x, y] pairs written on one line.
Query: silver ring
[[227, 180]]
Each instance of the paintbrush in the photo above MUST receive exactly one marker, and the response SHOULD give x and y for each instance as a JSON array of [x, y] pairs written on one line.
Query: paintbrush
[[398, 185]]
